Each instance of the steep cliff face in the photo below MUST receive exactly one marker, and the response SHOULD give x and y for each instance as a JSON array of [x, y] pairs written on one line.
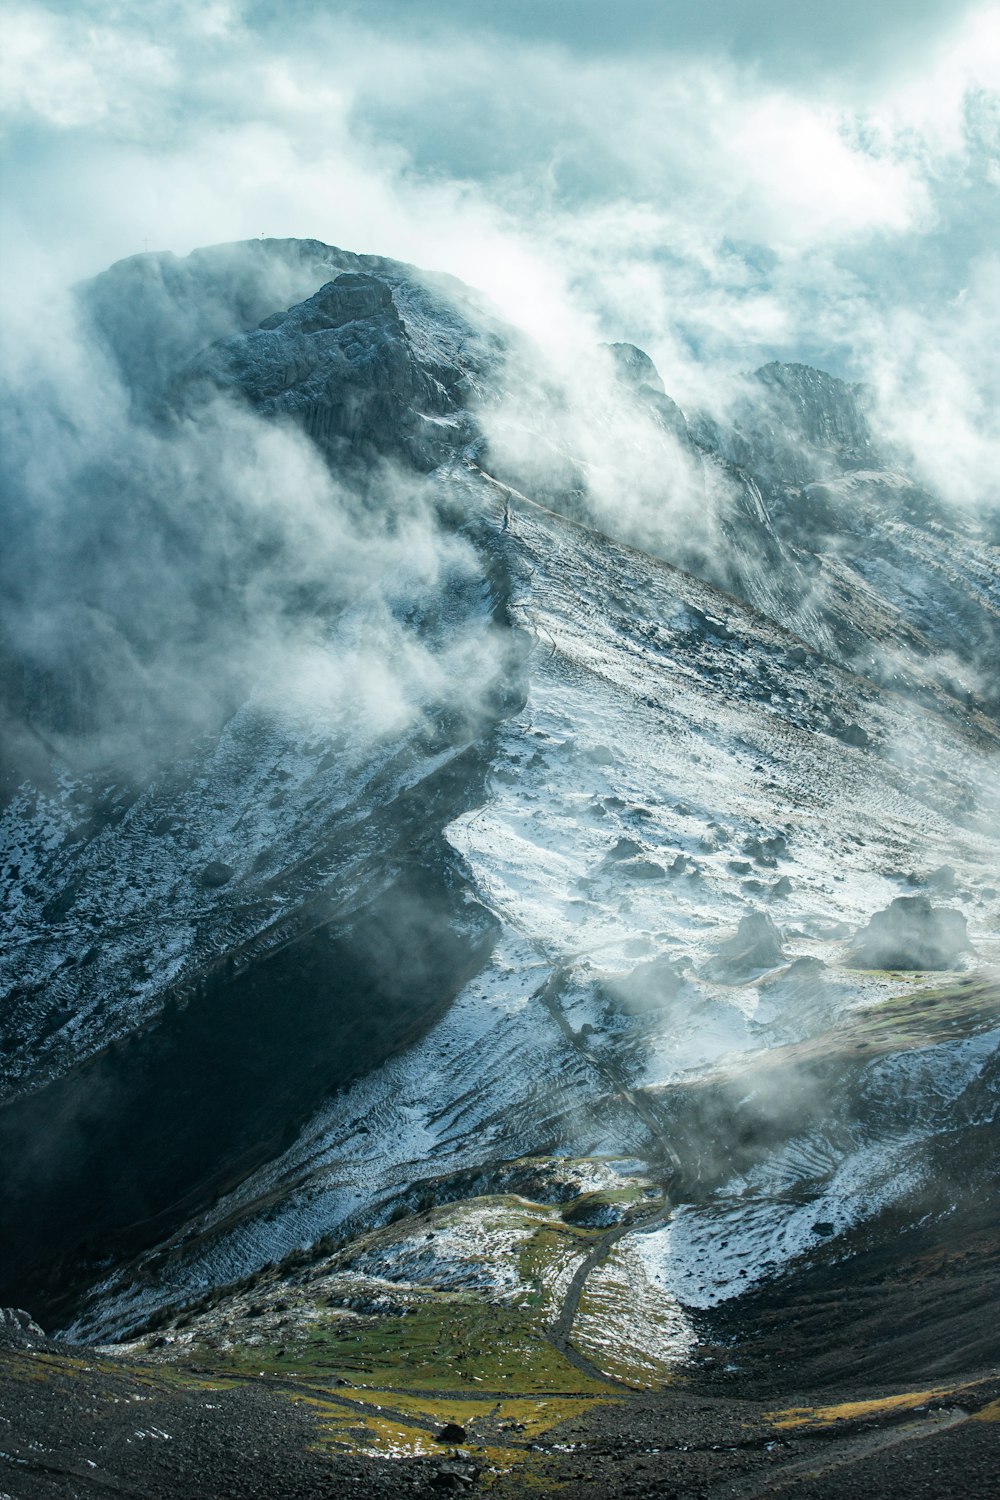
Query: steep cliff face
[[493, 836], [344, 365], [795, 424]]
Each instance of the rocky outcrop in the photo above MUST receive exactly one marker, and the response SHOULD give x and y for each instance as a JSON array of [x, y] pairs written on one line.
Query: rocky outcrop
[[649, 987], [794, 424], [636, 370], [912, 934], [18, 1329], [755, 948], [342, 363]]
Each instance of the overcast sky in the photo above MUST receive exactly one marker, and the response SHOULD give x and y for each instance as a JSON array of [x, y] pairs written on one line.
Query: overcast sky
[[723, 182]]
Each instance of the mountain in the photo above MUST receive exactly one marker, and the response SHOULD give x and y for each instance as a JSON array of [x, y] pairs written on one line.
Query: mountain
[[501, 905]]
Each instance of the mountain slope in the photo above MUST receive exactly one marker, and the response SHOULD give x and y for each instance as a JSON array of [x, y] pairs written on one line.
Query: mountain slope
[[508, 867]]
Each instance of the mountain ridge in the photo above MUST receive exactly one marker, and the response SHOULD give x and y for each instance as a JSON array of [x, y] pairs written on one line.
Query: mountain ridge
[[586, 806]]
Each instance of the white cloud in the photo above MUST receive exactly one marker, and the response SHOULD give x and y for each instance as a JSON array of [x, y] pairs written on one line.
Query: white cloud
[[685, 200], [69, 73]]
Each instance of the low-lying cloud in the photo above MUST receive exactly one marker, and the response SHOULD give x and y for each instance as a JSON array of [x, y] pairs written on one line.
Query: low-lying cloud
[[721, 185], [161, 568]]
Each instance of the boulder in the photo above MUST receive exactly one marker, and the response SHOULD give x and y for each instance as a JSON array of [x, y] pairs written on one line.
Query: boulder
[[911, 934], [756, 947], [216, 874], [643, 869], [451, 1432], [648, 987], [625, 848], [18, 1329], [799, 1001]]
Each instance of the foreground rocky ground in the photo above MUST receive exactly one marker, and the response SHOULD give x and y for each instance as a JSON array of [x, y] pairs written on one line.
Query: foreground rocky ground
[[514, 1336], [81, 1423]]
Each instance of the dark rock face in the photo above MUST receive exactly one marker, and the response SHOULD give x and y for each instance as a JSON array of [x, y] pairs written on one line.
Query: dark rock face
[[216, 874], [341, 363], [451, 1432], [795, 424], [756, 946], [87, 1167], [912, 934], [18, 1329]]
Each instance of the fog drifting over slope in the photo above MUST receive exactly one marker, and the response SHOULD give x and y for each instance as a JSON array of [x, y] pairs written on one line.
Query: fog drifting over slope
[[721, 185]]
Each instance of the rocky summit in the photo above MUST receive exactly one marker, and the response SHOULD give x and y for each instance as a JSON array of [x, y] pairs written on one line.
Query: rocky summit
[[502, 915]]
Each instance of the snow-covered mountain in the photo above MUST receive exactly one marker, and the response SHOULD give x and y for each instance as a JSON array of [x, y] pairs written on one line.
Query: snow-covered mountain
[[436, 779]]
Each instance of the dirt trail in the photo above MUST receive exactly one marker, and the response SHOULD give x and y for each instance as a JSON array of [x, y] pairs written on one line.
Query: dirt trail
[[561, 1328]]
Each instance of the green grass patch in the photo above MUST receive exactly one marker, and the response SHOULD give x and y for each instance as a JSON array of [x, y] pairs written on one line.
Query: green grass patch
[[451, 1344]]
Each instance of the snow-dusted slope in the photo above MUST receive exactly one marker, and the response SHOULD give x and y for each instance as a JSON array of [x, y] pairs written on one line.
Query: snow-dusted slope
[[356, 946], [667, 732]]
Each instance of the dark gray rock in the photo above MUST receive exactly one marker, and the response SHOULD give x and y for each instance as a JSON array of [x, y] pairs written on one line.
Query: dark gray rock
[[643, 869], [849, 733], [451, 1432], [215, 874], [625, 848], [755, 948], [911, 934], [766, 850], [18, 1329], [343, 365]]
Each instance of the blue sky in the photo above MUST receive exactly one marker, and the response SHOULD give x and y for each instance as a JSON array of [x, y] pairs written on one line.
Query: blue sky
[[723, 183]]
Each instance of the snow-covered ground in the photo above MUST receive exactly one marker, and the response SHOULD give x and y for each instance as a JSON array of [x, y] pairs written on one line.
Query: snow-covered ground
[[664, 722]]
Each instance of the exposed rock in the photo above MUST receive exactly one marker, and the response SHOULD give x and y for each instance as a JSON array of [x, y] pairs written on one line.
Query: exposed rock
[[451, 1432], [648, 987], [643, 869], [625, 848], [344, 365], [709, 625], [215, 874], [18, 1328], [453, 1477], [600, 755], [795, 423], [911, 934], [592, 1212], [817, 928], [801, 1001], [637, 371], [849, 734], [766, 851], [756, 947]]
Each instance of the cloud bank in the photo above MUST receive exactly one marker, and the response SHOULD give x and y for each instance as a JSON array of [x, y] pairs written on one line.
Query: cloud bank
[[722, 184]]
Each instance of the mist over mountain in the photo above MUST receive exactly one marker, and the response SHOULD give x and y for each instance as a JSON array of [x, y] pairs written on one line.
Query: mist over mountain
[[486, 844], [499, 745]]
